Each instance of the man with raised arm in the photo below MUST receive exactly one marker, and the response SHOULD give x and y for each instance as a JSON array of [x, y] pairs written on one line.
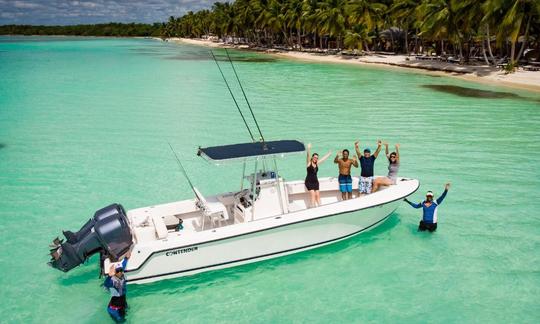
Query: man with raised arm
[[345, 180], [367, 162], [115, 283], [429, 207]]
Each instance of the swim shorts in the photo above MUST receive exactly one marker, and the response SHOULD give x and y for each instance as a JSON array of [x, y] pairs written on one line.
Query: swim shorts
[[345, 183], [365, 185], [423, 226]]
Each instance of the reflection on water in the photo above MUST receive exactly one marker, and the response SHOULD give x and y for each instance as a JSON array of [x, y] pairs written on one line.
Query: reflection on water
[[201, 54], [202, 57], [470, 92]]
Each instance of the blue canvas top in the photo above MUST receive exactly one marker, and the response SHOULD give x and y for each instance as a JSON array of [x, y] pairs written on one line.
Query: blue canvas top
[[246, 150]]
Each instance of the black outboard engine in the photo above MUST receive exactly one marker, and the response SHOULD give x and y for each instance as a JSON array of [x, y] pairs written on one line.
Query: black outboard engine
[[107, 232]]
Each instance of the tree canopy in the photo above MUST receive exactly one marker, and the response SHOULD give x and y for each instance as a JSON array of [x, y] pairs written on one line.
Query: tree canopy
[[110, 29], [493, 28]]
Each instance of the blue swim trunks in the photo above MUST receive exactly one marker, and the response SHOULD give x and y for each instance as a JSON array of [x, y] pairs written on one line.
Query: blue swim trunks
[[345, 183]]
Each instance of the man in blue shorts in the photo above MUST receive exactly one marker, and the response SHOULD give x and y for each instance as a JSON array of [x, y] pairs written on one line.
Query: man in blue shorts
[[429, 207], [345, 180], [367, 162]]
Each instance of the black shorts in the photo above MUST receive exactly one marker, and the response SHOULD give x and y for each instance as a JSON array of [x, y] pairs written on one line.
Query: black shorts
[[432, 227]]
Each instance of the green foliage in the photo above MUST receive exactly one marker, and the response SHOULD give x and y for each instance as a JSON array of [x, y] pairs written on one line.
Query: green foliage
[[110, 29], [456, 26]]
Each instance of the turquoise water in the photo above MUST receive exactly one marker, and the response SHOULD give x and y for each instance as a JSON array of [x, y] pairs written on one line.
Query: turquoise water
[[85, 122]]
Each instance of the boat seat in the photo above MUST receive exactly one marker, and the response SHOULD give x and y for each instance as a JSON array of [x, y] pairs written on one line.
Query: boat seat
[[211, 208], [160, 227]]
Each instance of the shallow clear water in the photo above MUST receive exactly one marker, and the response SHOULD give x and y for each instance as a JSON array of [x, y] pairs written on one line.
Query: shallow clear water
[[85, 122]]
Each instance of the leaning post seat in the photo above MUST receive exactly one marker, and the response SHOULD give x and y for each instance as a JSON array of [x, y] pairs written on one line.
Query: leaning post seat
[[214, 209]]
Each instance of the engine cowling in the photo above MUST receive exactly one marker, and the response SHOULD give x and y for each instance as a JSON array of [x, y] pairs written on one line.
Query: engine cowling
[[108, 233]]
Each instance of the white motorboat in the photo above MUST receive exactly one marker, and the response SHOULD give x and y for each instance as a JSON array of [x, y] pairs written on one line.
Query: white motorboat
[[267, 219]]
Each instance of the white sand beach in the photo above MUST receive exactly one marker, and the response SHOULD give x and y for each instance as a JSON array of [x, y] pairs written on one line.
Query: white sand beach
[[529, 80]]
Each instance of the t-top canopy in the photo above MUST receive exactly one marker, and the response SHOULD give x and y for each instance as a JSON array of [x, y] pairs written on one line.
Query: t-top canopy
[[247, 150]]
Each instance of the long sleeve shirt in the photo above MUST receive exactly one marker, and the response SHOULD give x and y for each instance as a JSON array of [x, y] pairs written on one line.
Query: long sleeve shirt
[[429, 213], [115, 285]]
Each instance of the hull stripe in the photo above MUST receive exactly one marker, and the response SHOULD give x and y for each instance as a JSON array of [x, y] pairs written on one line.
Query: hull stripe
[[264, 255]]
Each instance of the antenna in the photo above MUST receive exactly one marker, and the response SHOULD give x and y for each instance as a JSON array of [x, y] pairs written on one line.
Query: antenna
[[235, 102], [245, 97]]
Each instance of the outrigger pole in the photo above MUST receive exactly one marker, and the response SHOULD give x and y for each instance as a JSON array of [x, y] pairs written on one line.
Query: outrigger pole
[[234, 99], [245, 97]]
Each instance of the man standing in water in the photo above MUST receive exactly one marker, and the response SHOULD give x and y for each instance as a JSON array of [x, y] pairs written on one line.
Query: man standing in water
[[367, 162], [115, 282], [429, 207], [345, 180]]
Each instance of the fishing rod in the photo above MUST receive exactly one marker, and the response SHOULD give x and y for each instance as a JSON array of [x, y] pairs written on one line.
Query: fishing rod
[[245, 97], [232, 95], [182, 169]]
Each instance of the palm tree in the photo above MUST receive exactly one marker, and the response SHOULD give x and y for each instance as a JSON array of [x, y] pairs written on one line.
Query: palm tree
[[515, 18], [332, 17], [269, 17], [403, 13], [220, 16], [439, 21], [293, 17], [368, 13], [245, 18], [311, 23], [357, 37]]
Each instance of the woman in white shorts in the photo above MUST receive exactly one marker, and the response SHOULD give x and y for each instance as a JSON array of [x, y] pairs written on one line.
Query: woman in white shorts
[[393, 168]]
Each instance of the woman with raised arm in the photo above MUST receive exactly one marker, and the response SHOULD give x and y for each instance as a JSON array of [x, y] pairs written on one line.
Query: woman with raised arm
[[393, 168], [312, 182]]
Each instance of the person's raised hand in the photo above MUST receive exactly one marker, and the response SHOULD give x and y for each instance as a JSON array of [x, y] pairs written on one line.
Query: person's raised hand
[[447, 186], [309, 146], [397, 145], [379, 142], [356, 143], [385, 143]]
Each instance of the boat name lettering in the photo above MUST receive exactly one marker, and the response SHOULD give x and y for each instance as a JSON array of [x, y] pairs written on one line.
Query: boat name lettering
[[182, 251]]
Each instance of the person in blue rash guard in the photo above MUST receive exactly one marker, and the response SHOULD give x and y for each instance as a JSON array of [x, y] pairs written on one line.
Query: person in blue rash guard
[[429, 207], [115, 283]]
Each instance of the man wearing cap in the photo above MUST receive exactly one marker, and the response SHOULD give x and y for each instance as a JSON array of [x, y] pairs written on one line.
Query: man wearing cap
[[367, 161], [115, 282], [429, 207]]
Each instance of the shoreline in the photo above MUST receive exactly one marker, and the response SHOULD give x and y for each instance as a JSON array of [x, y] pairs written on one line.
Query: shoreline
[[522, 80]]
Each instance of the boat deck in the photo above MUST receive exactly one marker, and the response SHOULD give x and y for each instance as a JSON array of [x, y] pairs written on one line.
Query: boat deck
[[161, 221]]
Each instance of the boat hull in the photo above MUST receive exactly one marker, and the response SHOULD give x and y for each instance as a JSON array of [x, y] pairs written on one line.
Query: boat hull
[[259, 245]]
